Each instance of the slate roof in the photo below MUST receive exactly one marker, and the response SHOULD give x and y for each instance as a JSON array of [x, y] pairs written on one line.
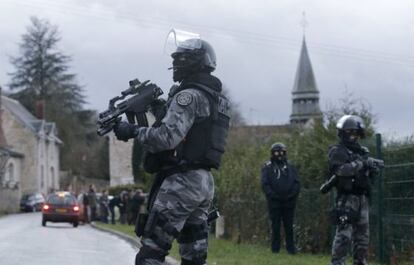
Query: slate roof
[[305, 93], [11, 152], [29, 120], [305, 79]]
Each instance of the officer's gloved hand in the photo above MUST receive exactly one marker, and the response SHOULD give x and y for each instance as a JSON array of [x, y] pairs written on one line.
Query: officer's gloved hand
[[370, 162], [125, 131]]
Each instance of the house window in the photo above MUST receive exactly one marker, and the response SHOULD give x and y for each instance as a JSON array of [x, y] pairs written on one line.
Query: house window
[[10, 172], [52, 176], [42, 177]]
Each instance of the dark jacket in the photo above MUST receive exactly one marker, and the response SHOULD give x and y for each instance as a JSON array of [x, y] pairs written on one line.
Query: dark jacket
[[118, 202], [280, 183]]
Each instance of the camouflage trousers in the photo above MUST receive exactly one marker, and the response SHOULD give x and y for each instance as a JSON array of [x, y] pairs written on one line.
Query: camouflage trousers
[[182, 202], [356, 233]]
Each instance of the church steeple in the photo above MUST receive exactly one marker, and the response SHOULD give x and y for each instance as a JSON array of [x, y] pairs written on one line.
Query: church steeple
[[305, 94]]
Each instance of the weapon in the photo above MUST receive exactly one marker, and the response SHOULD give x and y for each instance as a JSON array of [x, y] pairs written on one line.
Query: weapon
[[372, 163], [328, 185], [212, 216], [142, 96], [375, 163]]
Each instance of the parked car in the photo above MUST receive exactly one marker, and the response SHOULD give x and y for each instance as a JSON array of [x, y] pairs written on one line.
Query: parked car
[[61, 206], [32, 202]]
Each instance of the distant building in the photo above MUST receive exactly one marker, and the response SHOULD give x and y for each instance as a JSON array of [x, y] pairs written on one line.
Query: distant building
[[120, 161], [10, 173], [36, 143], [305, 93]]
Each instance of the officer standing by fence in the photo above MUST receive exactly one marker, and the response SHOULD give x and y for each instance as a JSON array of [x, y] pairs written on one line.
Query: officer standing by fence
[[352, 171], [281, 186]]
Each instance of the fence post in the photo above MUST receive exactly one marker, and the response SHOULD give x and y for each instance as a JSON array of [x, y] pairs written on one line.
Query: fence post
[[380, 200]]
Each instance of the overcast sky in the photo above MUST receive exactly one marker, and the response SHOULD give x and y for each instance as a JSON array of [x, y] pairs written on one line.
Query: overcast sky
[[363, 47]]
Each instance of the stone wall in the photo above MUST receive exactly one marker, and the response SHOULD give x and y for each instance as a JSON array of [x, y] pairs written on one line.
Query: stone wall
[[9, 198], [78, 184], [120, 161]]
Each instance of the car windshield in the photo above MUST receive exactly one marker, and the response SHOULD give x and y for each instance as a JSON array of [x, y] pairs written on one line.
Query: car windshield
[[27, 197], [61, 200]]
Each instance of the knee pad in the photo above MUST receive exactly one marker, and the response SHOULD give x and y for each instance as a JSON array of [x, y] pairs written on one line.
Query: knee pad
[[159, 229], [198, 261], [193, 232], [148, 253]]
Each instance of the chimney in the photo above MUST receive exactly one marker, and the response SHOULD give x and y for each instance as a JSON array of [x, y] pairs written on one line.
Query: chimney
[[40, 109], [3, 142]]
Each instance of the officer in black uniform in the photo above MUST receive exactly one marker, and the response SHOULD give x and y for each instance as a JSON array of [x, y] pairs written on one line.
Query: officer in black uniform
[[281, 186], [182, 147], [352, 171]]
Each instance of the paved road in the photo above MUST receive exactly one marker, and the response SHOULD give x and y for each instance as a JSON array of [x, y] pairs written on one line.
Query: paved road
[[23, 241]]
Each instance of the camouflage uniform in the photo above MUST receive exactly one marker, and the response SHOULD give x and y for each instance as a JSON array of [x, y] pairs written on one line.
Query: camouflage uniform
[[184, 198], [353, 181], [358, 233]]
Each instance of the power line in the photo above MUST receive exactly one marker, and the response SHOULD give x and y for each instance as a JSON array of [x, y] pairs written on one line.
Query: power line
[[243, 36]]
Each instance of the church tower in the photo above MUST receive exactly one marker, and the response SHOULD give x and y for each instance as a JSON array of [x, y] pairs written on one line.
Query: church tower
[[305, 94]]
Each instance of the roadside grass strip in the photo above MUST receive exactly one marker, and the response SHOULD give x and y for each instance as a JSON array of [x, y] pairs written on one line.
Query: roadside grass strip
[[225, 252]]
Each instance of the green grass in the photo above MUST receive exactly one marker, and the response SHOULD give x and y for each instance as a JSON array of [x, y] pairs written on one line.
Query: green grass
[[224, 252]]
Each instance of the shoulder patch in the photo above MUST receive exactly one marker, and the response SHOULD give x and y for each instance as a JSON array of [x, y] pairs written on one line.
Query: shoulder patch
[[184, 98]]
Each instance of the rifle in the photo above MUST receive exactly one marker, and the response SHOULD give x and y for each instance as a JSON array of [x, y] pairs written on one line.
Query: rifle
[[143, 95], [375, 164]]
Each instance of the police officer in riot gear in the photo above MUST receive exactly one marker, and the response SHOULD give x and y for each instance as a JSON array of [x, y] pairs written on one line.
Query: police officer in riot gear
[[182, 146], [354, 171], [281, 186]]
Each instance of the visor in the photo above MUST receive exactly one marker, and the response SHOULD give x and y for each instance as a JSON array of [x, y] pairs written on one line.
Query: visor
[[181, 39]]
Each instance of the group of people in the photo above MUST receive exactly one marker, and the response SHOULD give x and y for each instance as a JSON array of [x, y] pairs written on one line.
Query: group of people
[[188, 139], [351, 170], [100, 207], [129, 206]]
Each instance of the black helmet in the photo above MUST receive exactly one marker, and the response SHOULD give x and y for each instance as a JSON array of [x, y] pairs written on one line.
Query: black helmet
[[349, 125], [189, 61], [190, 55], [278, 153], [277, 147]]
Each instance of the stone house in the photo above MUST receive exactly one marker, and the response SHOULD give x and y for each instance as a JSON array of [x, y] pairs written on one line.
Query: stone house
[[37, 142]]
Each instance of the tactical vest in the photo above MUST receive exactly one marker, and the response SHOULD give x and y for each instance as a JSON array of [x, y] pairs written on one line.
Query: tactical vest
[[357, 184], [205, 142]]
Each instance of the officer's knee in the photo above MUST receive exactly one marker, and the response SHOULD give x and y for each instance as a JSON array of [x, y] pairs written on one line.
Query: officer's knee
[[193, 232], [160, 230], [148, 253], [190, 234]]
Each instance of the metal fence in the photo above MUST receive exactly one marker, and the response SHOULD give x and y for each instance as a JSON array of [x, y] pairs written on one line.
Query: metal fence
[[392, 211]]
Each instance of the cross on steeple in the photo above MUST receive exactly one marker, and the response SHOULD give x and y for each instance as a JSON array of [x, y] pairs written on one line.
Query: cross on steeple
[[304, 23]]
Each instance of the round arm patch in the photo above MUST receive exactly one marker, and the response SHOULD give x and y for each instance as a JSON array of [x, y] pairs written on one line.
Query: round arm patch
[[184, 98]]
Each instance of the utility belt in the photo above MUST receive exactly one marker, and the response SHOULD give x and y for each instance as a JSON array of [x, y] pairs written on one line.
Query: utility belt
[[343, 214], [356, 192], [156, 185], [183, 168]]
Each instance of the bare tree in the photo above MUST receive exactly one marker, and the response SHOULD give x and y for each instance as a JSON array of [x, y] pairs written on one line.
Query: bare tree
[[237, 118]]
